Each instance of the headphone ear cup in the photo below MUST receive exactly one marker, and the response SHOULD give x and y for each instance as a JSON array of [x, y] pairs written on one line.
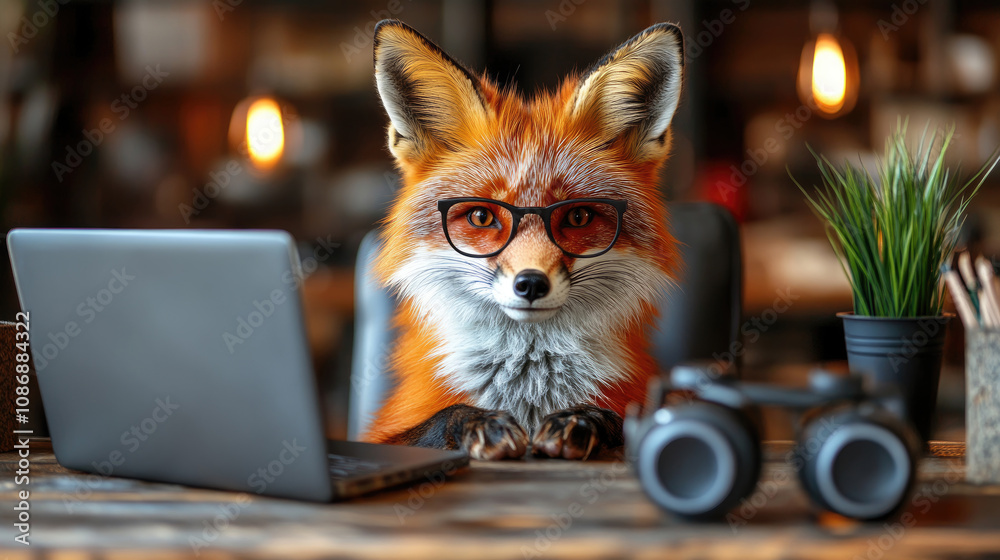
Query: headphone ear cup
[[857, 466], [699, 459]]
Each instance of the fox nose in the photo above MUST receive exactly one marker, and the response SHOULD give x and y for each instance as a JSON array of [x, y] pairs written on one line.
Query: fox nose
[[531, 284]]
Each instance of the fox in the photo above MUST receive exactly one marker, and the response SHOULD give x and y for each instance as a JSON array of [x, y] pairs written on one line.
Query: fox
[[527, 245]]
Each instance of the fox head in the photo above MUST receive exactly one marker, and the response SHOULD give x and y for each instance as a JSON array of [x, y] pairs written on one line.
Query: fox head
[[603, 134]]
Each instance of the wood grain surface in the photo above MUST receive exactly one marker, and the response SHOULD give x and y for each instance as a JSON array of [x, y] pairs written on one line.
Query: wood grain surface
[[518, 509]]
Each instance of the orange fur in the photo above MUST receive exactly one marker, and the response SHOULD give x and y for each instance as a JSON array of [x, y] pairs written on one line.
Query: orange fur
[[419, 394]]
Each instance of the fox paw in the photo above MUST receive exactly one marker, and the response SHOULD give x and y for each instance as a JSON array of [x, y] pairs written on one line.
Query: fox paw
[[494, 436], [577, 433]]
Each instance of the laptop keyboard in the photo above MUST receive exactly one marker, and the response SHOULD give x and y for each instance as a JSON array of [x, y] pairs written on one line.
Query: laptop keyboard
[[342, 466]]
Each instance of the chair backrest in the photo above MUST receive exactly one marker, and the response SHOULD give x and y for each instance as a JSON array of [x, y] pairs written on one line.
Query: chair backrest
[[699, 320]]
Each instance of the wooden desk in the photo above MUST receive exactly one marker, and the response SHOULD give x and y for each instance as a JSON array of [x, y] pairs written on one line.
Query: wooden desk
[[532, 509]]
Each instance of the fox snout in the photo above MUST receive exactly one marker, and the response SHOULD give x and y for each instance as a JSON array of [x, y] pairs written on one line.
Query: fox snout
[[529, 292], [531, 281], [530, 295], [531, 284]]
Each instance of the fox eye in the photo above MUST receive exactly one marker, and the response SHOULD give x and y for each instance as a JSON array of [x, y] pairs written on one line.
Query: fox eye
[[481, 217], [579, 216]]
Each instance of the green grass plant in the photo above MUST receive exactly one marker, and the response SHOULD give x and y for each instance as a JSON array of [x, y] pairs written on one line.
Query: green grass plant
[[894, 231]]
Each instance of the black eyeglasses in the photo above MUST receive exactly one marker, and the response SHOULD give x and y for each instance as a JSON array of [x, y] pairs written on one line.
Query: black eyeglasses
[[581, 227]]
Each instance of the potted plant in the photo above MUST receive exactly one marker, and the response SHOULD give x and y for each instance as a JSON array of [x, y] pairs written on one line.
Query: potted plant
[[893, 232]]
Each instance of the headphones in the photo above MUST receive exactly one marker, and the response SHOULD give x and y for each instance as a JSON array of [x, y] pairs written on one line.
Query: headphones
[[696, 448]]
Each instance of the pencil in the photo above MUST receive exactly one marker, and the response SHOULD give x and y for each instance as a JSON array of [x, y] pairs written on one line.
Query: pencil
[[991, 302], [962, 301], [987, 316]]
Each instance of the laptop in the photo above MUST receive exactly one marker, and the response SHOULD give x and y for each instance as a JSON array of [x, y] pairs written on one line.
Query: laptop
[[180, 356]]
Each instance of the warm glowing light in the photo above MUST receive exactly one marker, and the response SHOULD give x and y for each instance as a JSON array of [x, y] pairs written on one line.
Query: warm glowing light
[[828, 79], [829, 74], [265, 133]]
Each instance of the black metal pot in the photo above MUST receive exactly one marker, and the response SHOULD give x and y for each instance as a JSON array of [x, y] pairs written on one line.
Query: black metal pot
[[901, 354]]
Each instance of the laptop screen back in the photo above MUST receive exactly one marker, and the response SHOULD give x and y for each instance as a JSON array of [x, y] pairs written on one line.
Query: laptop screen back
[[175, 356]]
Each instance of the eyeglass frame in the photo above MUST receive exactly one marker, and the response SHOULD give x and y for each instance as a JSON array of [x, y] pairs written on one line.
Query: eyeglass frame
[[543, 212]]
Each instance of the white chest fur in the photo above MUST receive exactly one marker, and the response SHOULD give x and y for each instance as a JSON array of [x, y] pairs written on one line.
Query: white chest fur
[[530, 369]]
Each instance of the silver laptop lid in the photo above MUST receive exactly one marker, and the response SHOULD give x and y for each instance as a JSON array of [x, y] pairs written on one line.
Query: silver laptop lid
[[177, 356]]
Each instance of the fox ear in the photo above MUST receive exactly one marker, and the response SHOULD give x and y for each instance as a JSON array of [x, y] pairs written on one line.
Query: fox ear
[[633, 91], [432, 101]]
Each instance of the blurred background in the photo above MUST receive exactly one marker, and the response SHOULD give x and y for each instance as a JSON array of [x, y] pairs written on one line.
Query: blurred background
[[263, 114]]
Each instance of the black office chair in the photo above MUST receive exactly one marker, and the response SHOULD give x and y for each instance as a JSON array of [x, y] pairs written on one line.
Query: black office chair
[[697, 319]]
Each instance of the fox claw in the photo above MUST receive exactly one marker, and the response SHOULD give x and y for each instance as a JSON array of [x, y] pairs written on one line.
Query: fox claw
[[494, 436], [577, 433]]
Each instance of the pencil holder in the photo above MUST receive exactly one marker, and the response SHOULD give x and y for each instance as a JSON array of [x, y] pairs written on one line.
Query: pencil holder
[[982, 408]]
